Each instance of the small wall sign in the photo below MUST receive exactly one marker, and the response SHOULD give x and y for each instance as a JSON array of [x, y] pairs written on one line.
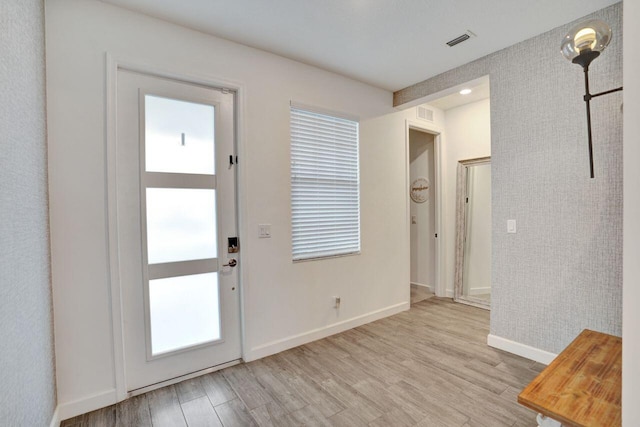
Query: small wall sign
[[419, 190]]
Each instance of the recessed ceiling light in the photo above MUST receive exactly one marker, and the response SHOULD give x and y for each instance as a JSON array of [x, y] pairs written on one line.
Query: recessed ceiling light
[[465, 91]]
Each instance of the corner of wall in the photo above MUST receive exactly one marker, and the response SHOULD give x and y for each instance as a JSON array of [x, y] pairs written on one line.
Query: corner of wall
[[86, 404], [55, 419]]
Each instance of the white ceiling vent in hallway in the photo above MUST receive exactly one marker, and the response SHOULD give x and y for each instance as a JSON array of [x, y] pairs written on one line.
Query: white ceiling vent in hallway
[[461, 38], [424, 113]]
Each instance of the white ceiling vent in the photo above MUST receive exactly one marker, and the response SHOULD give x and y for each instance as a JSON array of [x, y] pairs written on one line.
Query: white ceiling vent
[[461, 38], [424, 113]]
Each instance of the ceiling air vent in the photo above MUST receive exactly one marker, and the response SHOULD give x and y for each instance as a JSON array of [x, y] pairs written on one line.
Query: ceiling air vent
[[424, 113], [460, 39]]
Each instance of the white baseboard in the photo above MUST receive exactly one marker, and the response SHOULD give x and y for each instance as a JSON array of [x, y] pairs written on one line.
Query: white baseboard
[[87, 404], [449, 293], [480, 291], [55, 419], [422, 285], [293, 341], [519, 349]]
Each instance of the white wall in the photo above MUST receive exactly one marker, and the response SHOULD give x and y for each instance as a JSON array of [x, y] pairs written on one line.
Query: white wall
[[477, 272], [284, 303], [631, 249], [467, 135], [421, 164]]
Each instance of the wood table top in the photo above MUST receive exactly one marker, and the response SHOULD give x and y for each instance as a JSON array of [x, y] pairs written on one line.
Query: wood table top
[[583, 385]]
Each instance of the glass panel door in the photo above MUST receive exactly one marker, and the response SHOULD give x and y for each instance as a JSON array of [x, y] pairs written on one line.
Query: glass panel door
[[175, 209], [179, 136], [181, 224], [183, 312], [179, 206]]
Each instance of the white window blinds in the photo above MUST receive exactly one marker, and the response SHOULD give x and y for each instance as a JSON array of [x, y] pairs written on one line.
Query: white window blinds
[[325, 195]]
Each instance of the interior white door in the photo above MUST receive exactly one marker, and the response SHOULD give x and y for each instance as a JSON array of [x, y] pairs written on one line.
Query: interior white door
[[176, 209]]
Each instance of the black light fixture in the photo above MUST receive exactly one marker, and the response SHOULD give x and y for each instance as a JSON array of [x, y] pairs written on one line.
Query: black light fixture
[[582, 44]]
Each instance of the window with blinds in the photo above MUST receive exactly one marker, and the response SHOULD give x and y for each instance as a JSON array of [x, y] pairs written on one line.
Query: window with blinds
[[325, 194]]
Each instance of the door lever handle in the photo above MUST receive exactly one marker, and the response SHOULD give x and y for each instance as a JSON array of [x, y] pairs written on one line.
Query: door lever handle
[[232, 263]]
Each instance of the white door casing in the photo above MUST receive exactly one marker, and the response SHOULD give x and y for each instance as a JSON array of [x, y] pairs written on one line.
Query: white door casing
[[142, 367], [440, 287]]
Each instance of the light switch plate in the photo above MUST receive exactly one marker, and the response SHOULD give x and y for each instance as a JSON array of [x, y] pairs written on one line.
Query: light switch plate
[[511, 226], [264, 231]]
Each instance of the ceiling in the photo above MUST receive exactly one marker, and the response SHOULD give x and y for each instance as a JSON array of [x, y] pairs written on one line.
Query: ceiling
[[480, 89], [390, 44]]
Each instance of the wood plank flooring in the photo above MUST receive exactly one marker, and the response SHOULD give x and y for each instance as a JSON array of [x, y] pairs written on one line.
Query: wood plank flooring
[[429, 366]]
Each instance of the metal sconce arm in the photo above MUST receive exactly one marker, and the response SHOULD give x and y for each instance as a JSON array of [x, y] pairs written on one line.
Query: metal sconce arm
[[587, 99]]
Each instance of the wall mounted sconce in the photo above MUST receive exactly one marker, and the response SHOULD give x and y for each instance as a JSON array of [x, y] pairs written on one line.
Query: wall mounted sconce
[[582, 44]]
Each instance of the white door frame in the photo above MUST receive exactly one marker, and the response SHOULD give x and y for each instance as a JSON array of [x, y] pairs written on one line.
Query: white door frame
[[112, 67], [440, 287]]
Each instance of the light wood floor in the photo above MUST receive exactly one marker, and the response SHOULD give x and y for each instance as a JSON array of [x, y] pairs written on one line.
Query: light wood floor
[[429, 366]]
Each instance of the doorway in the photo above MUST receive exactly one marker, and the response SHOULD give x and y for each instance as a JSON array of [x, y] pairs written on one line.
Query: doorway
[[463, 119], [422, 211], [176, 222]]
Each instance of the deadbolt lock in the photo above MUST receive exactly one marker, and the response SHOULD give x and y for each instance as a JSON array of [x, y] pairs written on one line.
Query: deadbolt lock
[[232, 246]]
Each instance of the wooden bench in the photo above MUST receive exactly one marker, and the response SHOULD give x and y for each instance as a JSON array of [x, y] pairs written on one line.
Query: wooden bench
[[582, 386]]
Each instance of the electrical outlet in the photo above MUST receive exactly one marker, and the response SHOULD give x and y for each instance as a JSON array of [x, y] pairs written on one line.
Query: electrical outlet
[[511, 226]]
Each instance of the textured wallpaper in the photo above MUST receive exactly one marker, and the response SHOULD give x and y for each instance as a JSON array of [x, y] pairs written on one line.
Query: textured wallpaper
[[26, 354], [562, 271]]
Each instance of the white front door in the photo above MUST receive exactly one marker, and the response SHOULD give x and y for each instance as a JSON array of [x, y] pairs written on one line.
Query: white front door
[[176, 211]]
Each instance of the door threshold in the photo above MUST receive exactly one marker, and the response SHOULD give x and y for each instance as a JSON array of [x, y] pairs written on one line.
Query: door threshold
[[181, 378]]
